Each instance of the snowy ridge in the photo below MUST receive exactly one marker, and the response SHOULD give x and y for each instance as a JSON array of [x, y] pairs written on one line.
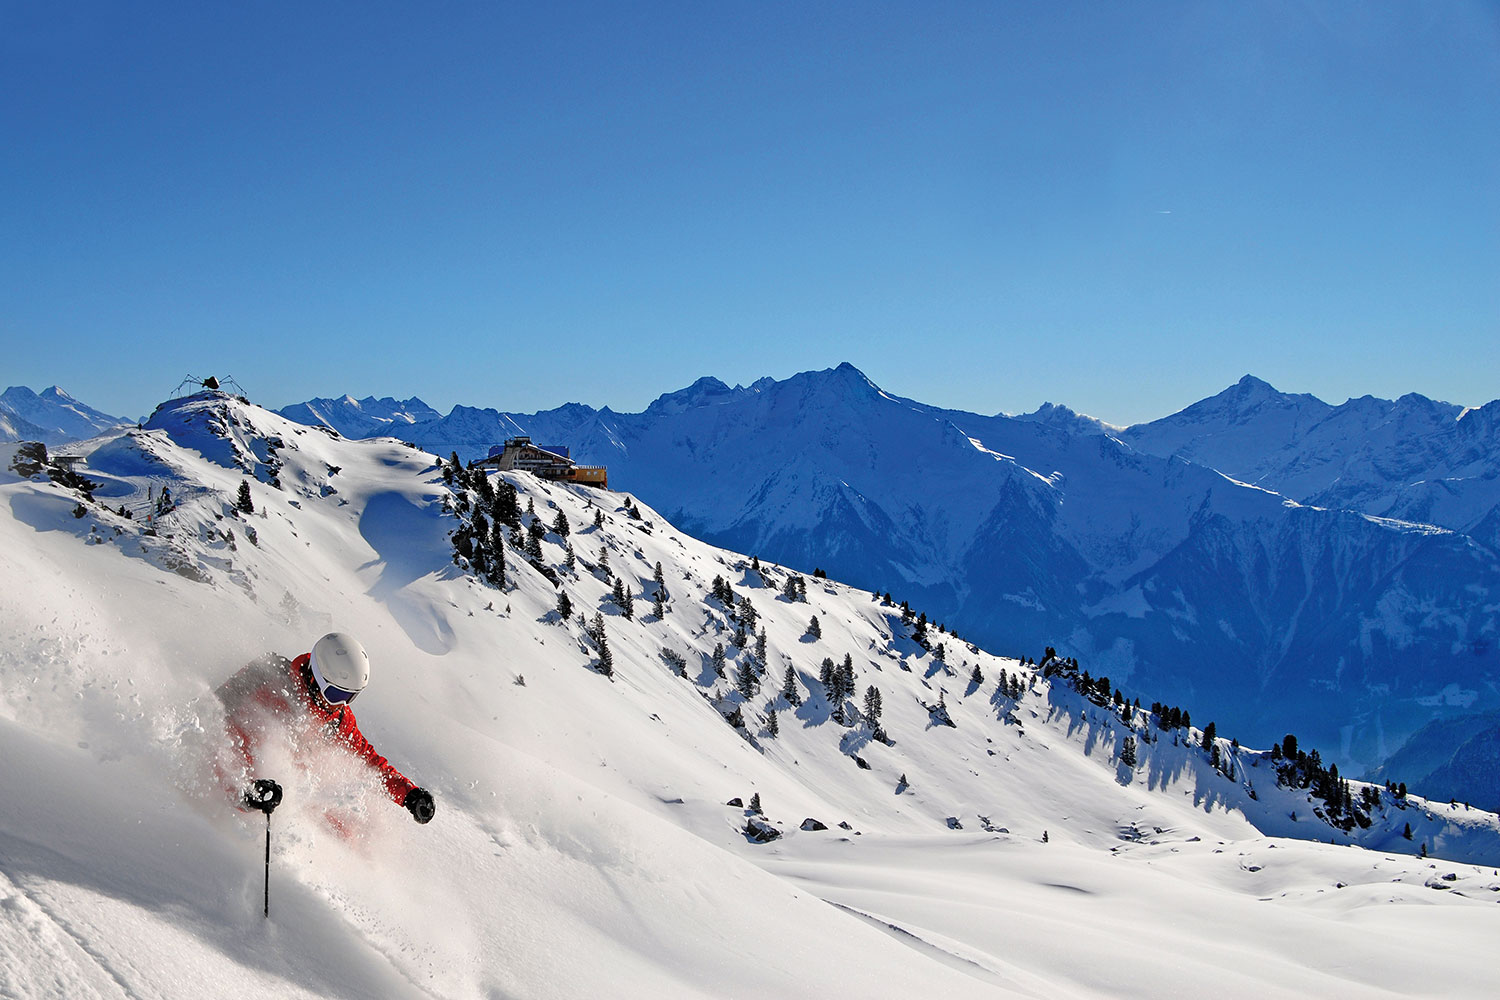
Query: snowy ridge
[[362, 418], [582, 845], [1056, 529], [50, 416]]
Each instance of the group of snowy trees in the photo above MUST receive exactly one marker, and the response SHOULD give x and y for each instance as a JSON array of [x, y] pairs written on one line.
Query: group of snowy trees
[[489, 519], [1297, 768]]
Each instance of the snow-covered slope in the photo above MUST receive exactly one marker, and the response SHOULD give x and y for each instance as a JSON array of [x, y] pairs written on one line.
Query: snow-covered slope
[[582, 845], [1161, 573], [51, 416], [14, 428]]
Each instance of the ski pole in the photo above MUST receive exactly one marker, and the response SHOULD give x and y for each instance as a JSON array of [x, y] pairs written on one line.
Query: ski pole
[[268, 865], [265, 795]]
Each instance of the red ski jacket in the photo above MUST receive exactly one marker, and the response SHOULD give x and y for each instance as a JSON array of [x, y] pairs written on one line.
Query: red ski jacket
[[280, 688]]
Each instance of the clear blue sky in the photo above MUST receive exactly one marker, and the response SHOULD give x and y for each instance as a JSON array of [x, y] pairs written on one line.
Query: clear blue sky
[[1121, 207]]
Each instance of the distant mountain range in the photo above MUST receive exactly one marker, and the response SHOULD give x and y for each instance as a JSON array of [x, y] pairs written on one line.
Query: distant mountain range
[[1262, 555], [50, 416]]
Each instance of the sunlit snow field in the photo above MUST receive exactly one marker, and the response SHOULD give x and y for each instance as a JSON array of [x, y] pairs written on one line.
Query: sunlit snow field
[[582, 845]]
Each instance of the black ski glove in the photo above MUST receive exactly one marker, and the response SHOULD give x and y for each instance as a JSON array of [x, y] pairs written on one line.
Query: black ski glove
[[419, 803], [263, 794]]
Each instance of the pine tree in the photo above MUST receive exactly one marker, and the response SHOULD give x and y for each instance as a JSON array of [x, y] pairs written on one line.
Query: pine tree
[[977, 677], [618, 593], [827, 677], [571, 559], [604, 560], [789, 687], [872, 706], [755, 804], [243, 503], [789, 591], [606, 658], [497, 555], [560, 526], [534, 546], [773, 728], [814, 629], [746, 680], [846, 676], [718, 659], [660, 579], [1127, 752], [598, 517], [564, 605], [507, 507], [760, 649], [1210, 732]]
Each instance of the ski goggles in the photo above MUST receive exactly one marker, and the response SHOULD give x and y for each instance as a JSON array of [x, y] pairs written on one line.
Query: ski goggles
[[332, 694], [337, 696]]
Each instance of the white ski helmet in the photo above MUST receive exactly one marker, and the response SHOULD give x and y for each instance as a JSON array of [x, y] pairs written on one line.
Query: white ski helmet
[[340, 667]]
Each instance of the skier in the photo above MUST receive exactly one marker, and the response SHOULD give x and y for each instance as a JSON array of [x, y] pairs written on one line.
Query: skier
[[310, 695]]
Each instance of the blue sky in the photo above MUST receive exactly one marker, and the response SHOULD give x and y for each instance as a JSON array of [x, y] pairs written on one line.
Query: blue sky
[[1120, 207]]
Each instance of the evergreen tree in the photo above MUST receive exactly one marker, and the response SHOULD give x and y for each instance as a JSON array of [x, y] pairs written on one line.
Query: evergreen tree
[[773, 728], [747, 614], [628, 608], [746, 680], [497, 555], [1210, 732], [534, 546], [606, 658], [755, 804], [846, 677], [604, 560], [872, 706], [1127, 752], [618, 593], [789, 687], [660, 579], [242, 502], [814, 629], [827, 677], [919, 635], [1407, 832], [939, 653], [718, 659], [789, 591], [561, 524], [564, 605], [977, 677], [571, 559], [507, 507], [760, 649], [598, 517]]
